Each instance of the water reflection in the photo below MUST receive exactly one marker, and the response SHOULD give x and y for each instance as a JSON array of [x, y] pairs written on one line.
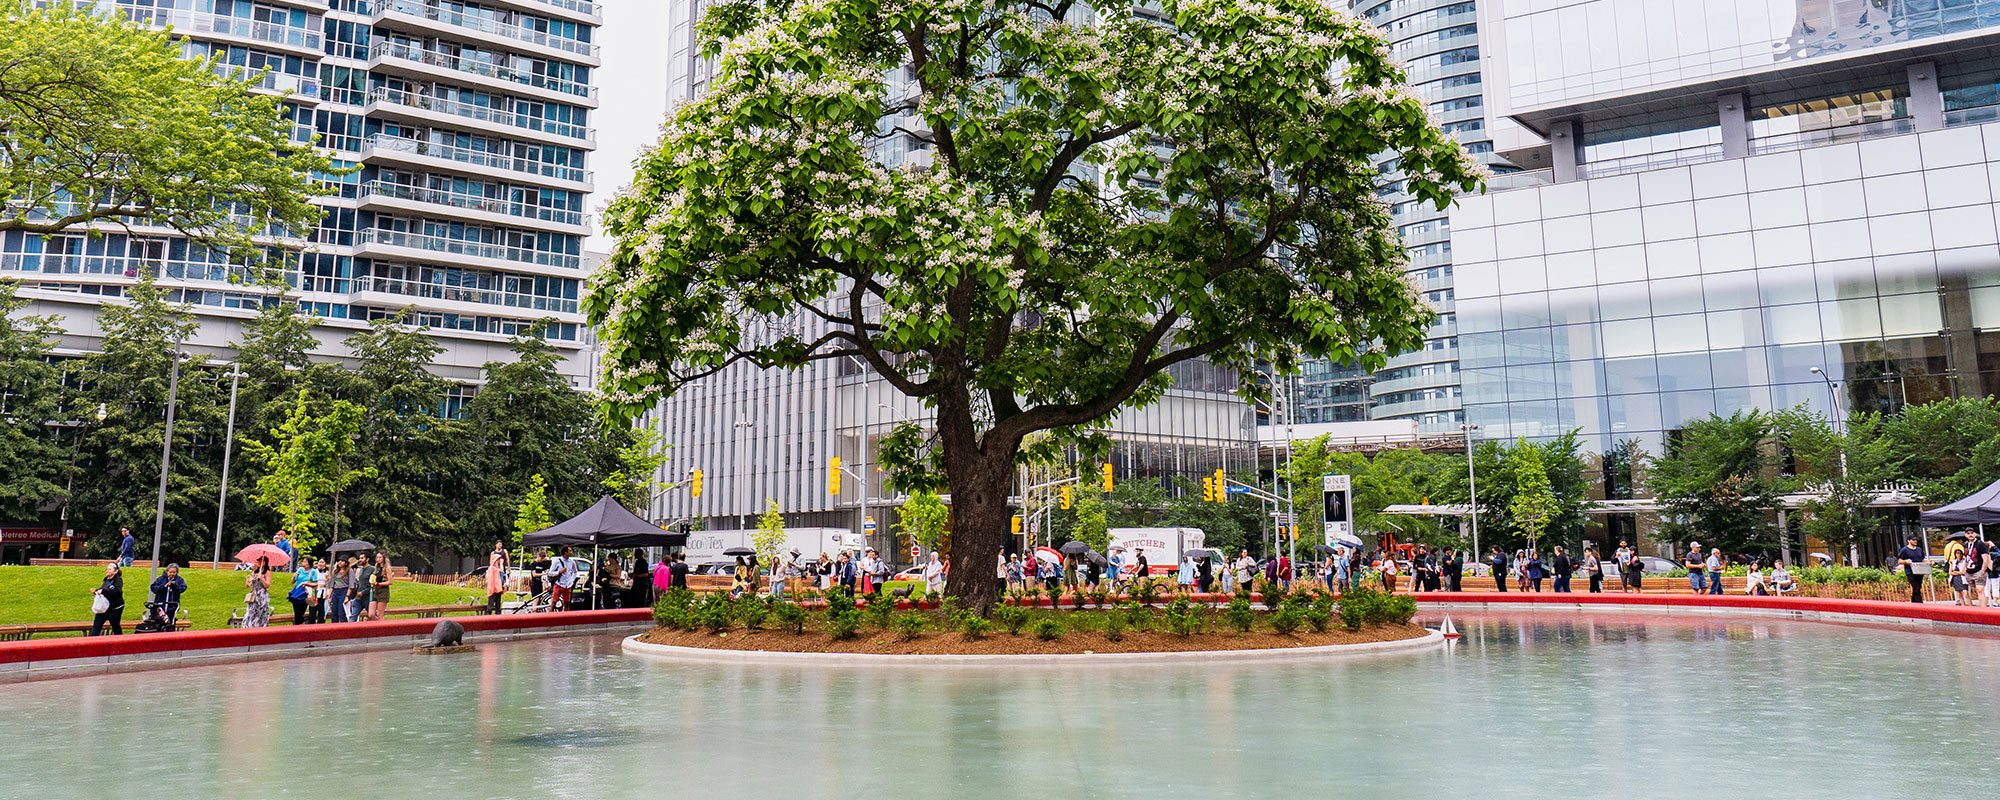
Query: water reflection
[[1525, 705]]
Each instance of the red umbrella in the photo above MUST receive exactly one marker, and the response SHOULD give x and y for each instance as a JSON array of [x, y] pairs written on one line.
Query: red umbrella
[[249, 555]]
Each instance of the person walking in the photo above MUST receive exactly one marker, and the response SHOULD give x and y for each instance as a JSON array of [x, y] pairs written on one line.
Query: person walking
[[677, 573], [1389, 571], [257, 601], [1497, 559], [1246, 572], [304, 580], [378, 598], [1563, 569], [128, 547], [562, 579], [1713, 566], [362, 580], [1908, 558], [1184, 576], [110, 595], [283, 541], [934, 573], [167, 590], [496, 577], [1695, 566], [339, 586], [1520, 568], [663, 575], [1534, 571], [1593, 570]]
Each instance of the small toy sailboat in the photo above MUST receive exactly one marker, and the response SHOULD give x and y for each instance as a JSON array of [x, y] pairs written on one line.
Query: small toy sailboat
[[1449, 631]]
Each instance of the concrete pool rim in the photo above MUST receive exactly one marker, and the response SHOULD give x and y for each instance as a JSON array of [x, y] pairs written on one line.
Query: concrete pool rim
[[726, 655]]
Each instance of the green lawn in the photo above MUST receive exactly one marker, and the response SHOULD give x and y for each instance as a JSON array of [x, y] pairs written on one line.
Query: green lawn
[[62, 594]]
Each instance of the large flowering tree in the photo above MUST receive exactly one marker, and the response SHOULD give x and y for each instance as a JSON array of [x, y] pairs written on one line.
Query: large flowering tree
[[1105, 195]]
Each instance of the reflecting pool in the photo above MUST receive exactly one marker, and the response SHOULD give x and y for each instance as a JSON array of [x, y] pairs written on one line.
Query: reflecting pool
[[1527, 705]]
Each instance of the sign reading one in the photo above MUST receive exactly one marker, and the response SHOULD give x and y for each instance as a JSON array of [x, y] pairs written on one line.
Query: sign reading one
[[1338, 494]]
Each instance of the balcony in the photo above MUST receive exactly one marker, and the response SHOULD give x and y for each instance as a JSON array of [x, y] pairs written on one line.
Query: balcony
[[205, 24], [472, 202], [474, 22], [384, 144], [438, 106], [490, 298], [498, 74], [460, 247], [296, 87]]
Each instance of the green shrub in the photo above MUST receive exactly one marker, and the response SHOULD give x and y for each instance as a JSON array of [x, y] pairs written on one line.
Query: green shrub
[[1146, 591], [1185, 618], [1013, 618], [791, 616], [1319, 615], [673, 610], [1395, 610], [843, 620], [1049, 629], [1137, 617], [1084, 623], [910, 625], [1031, 596], [715, 612], [1240, 615], [1114, 626], [752, 610], [1274, 595], [1287, 619], [1356, 605], [877, 612], [1101, 598], [1077, 598], [974, 626]]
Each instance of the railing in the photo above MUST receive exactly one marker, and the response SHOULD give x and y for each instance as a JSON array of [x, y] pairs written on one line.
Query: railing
[[185, 21], [1503, 181], [1846, 133], [479, 23], [459, 108], [441, 244], [1644, 162], [491, 205], [466, 294], [1977, 115], [299, 86], [476, 67], [578, 6], [129, 267], [480, 158]]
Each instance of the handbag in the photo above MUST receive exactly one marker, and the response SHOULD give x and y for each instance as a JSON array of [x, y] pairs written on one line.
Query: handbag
[[100, 605]]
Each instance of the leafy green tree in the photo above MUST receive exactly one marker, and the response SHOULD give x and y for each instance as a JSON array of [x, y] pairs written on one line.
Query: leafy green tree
[[1948, 448], [533, 513], [32, 396], [1229, 213], [420, 456], [529, 423], [305, 464], [1394, 477], [275, 356], [1718, 484], [94, 105], [1093, 526], [770, 535], [924, 518], [633, 479], [1134, 503], [1534, 504], [1840, 468], [130, 378], [1498, 483]]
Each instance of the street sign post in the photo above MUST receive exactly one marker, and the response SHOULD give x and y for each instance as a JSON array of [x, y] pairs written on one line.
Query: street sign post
[[915, 553], [868, 525]]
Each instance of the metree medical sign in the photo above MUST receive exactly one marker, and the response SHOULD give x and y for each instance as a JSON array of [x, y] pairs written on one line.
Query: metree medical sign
[[1338, 494]]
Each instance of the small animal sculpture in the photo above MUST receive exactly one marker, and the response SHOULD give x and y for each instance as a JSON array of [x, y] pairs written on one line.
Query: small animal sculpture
[[902, 593], [447, 634]]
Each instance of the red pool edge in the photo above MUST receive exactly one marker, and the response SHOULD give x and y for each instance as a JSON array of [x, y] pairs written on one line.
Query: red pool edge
[[1963, 615], [87, 647]]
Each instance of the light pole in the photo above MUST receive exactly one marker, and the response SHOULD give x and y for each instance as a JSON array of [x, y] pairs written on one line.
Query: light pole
[[166, 456], [742, 445], [228, 441], [1839, 420], [1471, 485]]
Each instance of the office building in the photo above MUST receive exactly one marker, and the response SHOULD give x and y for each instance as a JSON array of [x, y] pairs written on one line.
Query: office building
[[1736, 194], [470, 125]]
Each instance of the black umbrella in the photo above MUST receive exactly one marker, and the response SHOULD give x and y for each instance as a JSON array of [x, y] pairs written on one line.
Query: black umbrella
[[350, 546], [1095, 557], [739, 551], [1323, 548], [1074, 548], [1955, 535]]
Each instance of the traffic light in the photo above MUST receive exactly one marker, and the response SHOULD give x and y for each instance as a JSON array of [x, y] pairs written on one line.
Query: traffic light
[[696, 477], [833, 476], [1221, 487], [1107, 478], [1064, 492], [1017, 523], [1208, 489]]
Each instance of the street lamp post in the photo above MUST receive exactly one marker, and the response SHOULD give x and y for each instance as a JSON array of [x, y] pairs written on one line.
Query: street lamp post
[[228, 441], [1840, 428], [743, 444], [1471, 485], [166, 456]]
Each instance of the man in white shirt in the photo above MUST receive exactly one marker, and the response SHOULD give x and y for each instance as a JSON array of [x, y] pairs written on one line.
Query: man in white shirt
[[563, 570]]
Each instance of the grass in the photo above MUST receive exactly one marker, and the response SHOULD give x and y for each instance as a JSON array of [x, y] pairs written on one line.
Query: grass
[[62, 594]]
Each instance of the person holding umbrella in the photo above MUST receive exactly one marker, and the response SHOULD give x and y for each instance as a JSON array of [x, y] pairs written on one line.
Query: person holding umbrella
[[257, 601]]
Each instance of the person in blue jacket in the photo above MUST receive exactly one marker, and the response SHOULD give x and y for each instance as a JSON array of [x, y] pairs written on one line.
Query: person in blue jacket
[[168, 588]]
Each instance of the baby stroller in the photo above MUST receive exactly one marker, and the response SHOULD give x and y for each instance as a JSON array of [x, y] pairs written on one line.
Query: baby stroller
[[159, 618]]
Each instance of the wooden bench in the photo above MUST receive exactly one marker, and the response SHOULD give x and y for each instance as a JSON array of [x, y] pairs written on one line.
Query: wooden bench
[[16, 633], [420, 612]]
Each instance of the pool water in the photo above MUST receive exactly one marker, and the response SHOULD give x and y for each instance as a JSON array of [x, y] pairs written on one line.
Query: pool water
[[1527, 705]]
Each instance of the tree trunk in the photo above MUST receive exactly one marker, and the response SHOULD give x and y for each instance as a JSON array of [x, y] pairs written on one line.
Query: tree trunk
[[980, 517]]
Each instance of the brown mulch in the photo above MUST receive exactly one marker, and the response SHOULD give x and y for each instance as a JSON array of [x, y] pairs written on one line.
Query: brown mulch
[[1000, 642]]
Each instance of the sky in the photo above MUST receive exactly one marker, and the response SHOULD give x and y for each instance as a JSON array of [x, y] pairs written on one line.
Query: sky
[[632, 92]]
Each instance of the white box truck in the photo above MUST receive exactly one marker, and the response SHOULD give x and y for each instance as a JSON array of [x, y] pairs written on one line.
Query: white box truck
[[1163, 546]]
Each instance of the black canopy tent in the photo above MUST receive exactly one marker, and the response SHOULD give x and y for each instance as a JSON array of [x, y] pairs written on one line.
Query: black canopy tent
[[606, 524], [1981, 508]]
